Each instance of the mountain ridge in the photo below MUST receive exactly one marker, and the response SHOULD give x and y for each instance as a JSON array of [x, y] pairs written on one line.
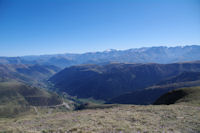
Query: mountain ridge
[[159, 54], [35, 75], [111, 80]]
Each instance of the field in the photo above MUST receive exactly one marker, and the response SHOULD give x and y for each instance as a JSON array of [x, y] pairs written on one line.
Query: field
[[121, 118]]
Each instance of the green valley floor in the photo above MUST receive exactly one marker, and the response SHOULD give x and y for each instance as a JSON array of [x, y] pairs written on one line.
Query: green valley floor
[[118, 119]]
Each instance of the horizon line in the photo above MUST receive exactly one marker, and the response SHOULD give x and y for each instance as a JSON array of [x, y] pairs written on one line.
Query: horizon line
[[106, 50]]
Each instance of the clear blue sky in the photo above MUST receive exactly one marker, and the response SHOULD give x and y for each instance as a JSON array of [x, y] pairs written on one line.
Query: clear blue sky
[[33, 27]]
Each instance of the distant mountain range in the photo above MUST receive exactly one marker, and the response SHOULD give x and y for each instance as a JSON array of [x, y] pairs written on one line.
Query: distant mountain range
[[160, 54], [112, 80], [133, 76]]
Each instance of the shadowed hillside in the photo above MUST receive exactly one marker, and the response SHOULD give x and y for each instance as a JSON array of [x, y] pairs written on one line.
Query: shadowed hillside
[[150, 94], [183, 77], [108, 81], [189, 95]]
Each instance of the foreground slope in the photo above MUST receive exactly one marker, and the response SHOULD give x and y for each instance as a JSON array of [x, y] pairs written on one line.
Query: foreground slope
[[108, 81], [183, 117], [16, 98], [124, 119]]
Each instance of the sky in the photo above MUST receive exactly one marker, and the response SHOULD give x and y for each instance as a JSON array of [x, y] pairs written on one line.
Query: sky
[[35, 27]]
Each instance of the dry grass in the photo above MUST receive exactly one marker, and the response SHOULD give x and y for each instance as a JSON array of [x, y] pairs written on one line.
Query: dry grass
[[122, 119]]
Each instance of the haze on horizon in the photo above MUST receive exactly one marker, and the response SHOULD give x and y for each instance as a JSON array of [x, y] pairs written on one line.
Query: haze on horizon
[[37, 27]]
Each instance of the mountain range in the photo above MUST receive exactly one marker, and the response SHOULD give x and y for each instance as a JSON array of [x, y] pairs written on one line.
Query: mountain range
[[114, 76], [160, 54]]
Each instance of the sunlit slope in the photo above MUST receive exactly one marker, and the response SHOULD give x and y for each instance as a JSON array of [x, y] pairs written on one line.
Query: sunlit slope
[[30, 74], [16, 97]]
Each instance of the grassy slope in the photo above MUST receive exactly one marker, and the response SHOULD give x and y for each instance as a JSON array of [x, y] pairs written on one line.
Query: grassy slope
[[30, 74], [125, 118], [16, 98]]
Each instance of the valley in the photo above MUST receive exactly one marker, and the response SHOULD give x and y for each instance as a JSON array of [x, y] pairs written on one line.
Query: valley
[[99, 66], [98, 97]]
